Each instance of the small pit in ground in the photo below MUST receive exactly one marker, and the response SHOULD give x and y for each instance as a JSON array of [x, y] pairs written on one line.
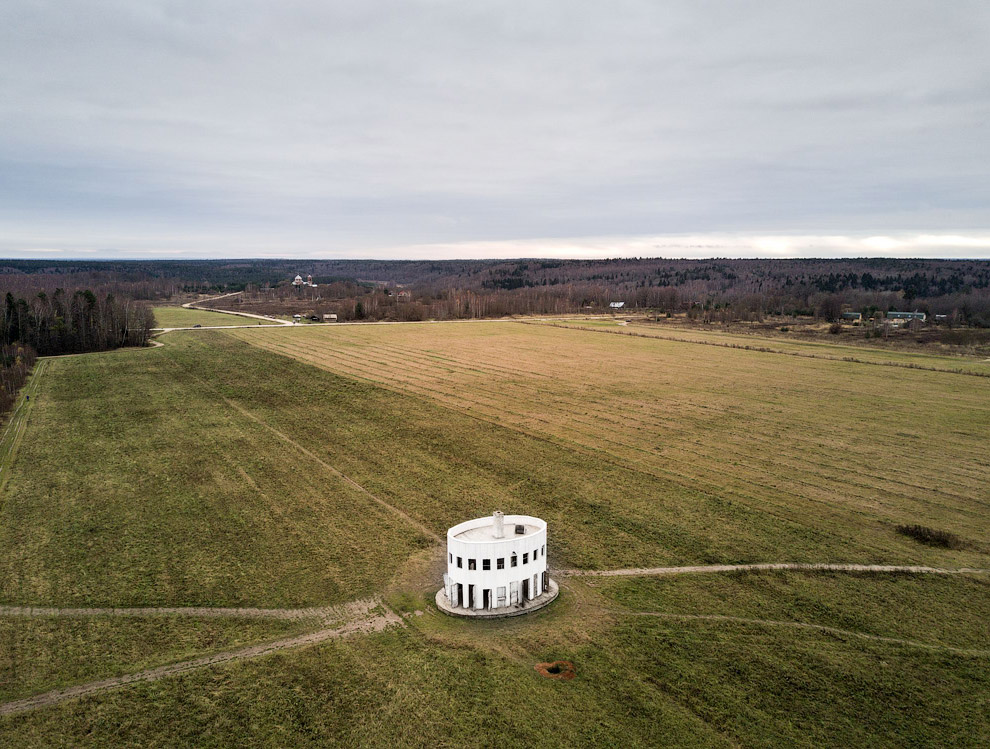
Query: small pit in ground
[[556, 670]]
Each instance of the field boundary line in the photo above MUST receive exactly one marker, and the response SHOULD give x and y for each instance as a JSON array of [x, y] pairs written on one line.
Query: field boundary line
[[372, 616], [345, 478], [413, 385], [805, 625], [763, 349], [809, 567], [17, 423], [342, 476]]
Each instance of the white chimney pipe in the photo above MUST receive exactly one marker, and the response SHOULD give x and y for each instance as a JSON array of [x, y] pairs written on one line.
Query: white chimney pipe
[[499, 519]]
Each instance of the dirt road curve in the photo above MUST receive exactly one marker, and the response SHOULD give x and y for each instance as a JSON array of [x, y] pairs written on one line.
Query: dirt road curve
[[701, 569], [197, 305], [371, 616]]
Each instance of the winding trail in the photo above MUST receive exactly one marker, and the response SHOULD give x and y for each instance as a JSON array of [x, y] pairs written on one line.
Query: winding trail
[[198, 305], [365, 616], [821, 567]]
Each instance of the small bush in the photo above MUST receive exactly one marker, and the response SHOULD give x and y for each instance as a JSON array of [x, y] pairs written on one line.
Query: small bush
[[784, 328], [930, 536], [835, 328]]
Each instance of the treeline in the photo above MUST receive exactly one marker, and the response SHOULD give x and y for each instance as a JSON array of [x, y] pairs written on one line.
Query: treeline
[[16, 361], [72, 323], [444, 289]]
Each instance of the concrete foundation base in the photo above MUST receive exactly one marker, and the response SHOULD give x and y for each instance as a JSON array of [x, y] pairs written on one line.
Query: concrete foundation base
[[515, 610]]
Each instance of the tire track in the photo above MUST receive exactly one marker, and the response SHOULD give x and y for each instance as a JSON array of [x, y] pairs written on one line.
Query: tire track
[[373, 616], [812, 567], [341, 612], [805, 625]]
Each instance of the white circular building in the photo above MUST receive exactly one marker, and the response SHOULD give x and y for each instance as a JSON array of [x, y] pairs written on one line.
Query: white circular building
[[496, 566]]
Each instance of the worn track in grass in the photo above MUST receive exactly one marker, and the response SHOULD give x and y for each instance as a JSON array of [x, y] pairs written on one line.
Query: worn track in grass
[[365, 616], [804, 625], [824, 567]]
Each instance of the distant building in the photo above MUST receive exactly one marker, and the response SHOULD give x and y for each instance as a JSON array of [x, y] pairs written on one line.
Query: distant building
[[404, 296], [297, 281], [330, 318], [854, 316], [617, 305], [906, 316]]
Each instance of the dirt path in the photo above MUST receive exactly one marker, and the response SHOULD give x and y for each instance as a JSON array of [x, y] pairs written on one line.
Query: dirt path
[[366, 616], [343, 612], [701, 569], [17, 422], [197, 305], [803, 625]]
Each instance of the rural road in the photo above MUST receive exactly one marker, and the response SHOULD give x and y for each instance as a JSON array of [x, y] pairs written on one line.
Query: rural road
[[196, 305], [822, 567]]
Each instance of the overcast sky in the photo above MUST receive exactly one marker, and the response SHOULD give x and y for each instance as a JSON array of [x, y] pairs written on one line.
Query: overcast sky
[[256, 128]]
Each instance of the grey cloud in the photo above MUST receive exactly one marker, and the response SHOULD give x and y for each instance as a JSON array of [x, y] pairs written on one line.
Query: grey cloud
[[356, 126]]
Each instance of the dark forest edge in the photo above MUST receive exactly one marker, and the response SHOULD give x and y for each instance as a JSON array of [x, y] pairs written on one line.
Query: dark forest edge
[[74, 322], [16, 362], [721, 289]]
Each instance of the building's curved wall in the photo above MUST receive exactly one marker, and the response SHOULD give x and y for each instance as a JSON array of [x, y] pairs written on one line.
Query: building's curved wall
[[524, 581]]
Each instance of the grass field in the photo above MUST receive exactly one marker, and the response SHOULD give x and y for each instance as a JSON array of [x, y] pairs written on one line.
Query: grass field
[[298, 467], [47, 652], [868, 353], [790, 457], [641, 681], [180, 317]]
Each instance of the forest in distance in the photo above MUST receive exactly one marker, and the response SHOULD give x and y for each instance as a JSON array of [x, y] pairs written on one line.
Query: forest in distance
[[719, 290], [450, 289]]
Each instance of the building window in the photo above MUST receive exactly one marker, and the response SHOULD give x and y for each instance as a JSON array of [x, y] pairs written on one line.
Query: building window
[[526, 558], [515, 560], [486, 564], [472, 564], [500, 563], [451, 558], [536, 554], [544, 550], [459, 562]]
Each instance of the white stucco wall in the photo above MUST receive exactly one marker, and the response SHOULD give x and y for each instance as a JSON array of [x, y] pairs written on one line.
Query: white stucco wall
[[480, 546]]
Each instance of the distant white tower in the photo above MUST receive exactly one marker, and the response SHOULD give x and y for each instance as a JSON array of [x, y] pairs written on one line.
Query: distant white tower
[[297, 281], [496, 566], [309, 280]]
